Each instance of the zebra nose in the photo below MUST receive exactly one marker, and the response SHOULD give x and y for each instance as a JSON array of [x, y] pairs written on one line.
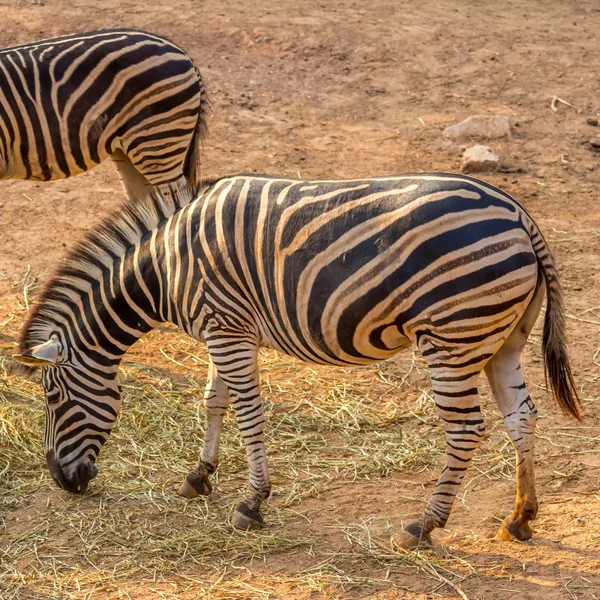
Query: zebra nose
[[78, 482], [82, 478]]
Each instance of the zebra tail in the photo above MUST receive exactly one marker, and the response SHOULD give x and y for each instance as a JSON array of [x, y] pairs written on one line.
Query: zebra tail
[[191, 167], [554, 342]]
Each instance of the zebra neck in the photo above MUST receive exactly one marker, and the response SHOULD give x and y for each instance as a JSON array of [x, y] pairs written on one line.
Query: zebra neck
[[171, 276], [149, 286], [121, 307]]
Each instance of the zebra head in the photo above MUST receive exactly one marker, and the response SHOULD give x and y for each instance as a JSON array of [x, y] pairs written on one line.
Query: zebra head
[[82, 403]]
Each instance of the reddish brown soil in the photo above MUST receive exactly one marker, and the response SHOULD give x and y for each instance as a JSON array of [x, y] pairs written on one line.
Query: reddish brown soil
[[342, 89]]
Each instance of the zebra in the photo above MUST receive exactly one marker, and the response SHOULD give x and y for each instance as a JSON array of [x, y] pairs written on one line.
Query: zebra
[[330, 272], [68, 103]]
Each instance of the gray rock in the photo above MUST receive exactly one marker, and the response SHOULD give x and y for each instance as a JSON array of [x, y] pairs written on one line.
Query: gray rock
[[479, 159], [481, 126]]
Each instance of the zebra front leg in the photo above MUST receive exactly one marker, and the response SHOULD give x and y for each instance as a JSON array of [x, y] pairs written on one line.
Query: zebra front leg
[[249, 414], [238, 368], [216, 401], [458, 404]]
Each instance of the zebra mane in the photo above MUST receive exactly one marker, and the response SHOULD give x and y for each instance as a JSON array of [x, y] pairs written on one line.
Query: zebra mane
[[91, 256]]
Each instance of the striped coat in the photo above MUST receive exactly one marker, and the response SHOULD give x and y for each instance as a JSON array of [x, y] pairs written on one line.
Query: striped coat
[[332, 272], [68, 103]]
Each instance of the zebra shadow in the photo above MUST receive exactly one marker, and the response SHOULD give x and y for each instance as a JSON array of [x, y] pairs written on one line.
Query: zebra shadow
[[535, 569]]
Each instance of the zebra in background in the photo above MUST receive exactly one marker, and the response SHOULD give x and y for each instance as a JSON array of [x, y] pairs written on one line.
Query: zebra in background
[[68, 103], [331, 272]]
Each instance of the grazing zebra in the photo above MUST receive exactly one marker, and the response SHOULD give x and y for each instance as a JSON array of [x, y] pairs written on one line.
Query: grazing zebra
[[68, 103], [331, 272]]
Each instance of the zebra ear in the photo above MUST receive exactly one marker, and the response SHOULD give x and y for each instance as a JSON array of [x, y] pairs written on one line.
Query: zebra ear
[[43, 355]]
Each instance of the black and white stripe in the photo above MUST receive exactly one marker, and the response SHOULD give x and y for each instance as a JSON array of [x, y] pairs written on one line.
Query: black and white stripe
[[68, 103], [332, 272]]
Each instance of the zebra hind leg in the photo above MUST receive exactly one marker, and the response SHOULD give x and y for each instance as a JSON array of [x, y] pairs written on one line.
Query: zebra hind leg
[[179, 192], [176, 194], [458, 404], [216, 401], [520, 415], [135, 184]]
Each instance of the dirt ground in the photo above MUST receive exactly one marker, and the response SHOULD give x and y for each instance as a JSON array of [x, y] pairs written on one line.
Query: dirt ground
[[328, 89]]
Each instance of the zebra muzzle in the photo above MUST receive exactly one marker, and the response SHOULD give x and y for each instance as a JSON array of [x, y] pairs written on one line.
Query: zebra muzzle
[[93, 468], [78, 482], [84, 473]]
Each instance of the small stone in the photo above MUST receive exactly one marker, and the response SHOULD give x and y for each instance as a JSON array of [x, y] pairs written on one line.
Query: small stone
[[481, 126], [479, 159], [592, 121], [595, 143]]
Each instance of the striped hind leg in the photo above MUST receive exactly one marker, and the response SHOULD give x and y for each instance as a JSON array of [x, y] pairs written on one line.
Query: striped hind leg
[[216, 401], [237, 365], [520, 415], [458, 404], [135, 184]]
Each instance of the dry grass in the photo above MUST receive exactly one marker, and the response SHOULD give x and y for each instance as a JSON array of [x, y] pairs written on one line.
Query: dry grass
[[132, 536]]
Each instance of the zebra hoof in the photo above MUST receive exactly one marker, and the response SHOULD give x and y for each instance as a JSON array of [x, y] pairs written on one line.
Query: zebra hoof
[[194, 486], [513, 530], [412, 538], [245, 518]]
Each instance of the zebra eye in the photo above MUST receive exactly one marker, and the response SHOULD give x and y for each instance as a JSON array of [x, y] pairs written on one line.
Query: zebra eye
[[53, 390], [53, 396], [52, 393]]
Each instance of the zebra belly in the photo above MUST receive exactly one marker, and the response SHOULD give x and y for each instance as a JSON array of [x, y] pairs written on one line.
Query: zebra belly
[[47, 159], [52, 172], [399, 342]]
